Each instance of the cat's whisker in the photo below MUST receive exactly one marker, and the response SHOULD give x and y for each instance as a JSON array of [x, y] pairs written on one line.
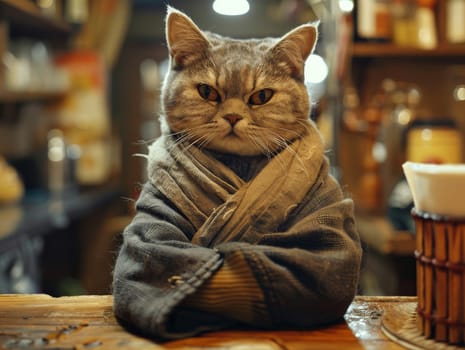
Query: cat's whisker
[[259, 137], [283, 144], [298, 158], [141, 155], [182, 143], [291, 131], [206, 140], [256, 140], [198, 142], [187, 130], [144, 142], [186, 134], [277, 139], [279, 149]]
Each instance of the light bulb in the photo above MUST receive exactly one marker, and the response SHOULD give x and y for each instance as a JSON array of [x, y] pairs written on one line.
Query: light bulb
[[231, 7]]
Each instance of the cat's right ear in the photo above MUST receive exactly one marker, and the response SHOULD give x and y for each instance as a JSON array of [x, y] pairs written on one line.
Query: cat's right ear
[[293, 49], [186, 42]]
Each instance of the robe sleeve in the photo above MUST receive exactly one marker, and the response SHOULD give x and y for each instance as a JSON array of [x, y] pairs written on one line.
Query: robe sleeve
[[157, 267]]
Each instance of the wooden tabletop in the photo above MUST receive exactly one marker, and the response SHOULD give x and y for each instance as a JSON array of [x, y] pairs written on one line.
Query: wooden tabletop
[[87, 322]]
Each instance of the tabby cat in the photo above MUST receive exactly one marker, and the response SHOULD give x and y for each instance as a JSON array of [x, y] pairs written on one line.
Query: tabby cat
[[240, 222]]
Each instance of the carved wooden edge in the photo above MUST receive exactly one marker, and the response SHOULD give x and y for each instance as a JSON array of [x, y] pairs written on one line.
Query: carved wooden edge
[[399, 324], [385, 299]]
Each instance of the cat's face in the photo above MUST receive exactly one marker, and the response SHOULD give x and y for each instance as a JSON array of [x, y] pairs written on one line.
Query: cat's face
[[244, 97]]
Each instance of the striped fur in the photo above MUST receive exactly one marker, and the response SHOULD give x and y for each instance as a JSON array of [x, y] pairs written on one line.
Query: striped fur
[[236, 69]]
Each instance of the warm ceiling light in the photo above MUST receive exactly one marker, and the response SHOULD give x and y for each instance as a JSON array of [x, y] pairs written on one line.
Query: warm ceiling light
[[346, 5], [231, 7]]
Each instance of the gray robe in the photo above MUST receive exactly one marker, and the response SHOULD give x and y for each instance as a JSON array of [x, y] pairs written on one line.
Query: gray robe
[[284, 221]]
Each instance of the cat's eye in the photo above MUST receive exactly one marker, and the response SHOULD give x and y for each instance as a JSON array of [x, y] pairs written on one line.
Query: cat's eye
[[208, 93], [261, 97]]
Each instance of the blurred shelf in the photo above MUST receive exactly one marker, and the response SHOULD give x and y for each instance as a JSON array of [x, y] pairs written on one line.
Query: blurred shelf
[[41, 214], [30, 96], [25, 18], [388, 263], [380, 50], [379, 235]]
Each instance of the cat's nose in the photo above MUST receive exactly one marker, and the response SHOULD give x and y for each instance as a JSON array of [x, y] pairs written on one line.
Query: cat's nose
[[232, 118]]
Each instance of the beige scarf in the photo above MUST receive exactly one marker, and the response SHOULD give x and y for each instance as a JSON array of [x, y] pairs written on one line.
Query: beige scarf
[[221, 205]]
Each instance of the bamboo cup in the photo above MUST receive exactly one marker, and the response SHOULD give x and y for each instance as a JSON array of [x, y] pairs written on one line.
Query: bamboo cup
[[440, 254]]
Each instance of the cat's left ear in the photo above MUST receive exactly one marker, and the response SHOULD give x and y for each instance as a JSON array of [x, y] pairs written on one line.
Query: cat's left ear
[[293, 49]]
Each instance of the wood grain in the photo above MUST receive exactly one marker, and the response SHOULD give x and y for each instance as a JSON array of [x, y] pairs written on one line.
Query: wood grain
[[428, 275], [419, 228], [440, 282], [455, 277], [39, 321]]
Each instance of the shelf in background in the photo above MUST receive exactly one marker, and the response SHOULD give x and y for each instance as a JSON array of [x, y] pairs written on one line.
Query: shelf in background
[[378, 234], [25, 18], [30, 96], [374, 50], [40, 214]]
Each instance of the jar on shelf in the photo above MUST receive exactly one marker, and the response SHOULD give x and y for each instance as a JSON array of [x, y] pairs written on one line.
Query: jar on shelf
[[436, 141]]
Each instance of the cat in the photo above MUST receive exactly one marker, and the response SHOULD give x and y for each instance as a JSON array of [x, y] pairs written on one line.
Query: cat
[[240, 221], [243, 97]]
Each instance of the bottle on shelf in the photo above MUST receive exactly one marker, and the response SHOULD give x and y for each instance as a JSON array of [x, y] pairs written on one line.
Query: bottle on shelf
[[455, 17], [403, 22], [373, 20], [426, 24]]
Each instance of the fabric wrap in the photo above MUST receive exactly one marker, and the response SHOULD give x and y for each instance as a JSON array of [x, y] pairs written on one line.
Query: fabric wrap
[[209, 248]]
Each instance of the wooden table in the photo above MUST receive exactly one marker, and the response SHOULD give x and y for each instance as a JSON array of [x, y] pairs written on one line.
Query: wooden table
[[39, 321]]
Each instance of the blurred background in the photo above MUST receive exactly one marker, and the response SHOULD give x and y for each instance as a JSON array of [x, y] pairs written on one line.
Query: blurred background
[[79, 100]]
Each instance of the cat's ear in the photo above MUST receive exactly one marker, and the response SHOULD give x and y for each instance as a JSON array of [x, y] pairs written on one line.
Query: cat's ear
[[186, 42], [293, 48]]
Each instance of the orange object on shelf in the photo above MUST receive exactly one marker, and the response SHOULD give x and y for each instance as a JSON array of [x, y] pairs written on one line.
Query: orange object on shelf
[[83, 115], [426, 3], [11, 187]]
